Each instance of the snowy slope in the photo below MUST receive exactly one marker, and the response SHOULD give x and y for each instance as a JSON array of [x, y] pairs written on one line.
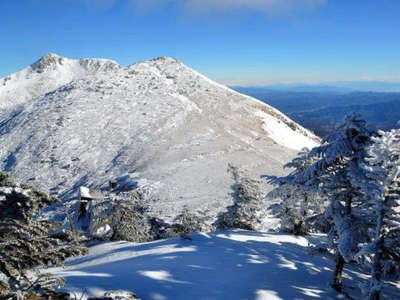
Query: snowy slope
[[226, 265], [66, 123]]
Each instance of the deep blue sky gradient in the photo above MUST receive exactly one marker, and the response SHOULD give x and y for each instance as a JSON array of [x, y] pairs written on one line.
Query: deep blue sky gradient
[[336, 40]]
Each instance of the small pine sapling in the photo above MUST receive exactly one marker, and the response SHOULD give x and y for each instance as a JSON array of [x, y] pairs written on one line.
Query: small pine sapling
[[246, 211]]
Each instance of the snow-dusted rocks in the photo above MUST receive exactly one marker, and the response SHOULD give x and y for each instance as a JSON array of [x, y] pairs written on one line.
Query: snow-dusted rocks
[[65, 123]]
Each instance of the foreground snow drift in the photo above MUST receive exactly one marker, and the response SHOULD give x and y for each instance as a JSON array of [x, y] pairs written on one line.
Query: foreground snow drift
[[226, 265]]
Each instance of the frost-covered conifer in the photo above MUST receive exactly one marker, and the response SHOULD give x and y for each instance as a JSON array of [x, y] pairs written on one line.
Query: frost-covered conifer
[[120, 217], [382, 187], [27, 242], [337, 163], [299, 204], [246, 211], [188, 221]]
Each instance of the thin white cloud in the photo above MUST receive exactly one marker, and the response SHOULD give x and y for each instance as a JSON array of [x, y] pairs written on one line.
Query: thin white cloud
[[201, 7], [268, 7]]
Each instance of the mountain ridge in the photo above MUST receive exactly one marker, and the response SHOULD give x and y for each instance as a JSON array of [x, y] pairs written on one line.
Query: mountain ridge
[[156, 123]]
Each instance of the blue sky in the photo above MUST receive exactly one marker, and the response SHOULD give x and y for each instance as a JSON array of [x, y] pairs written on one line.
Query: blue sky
[[246, 42]]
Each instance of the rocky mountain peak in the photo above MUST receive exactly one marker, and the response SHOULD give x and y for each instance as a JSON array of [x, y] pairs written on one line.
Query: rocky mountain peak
[[49, 60], [97, 64], [166, 59]]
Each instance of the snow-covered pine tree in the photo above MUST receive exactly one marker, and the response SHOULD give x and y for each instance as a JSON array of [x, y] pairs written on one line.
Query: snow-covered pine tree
[[26, 241], [246, 211], [337, 162], [382, 188], [188, 221], [120, 217], [299, 204]]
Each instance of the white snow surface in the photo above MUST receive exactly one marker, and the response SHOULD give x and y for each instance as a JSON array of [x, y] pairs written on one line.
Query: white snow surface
[[84, 192], [65, 123], [232, 265]]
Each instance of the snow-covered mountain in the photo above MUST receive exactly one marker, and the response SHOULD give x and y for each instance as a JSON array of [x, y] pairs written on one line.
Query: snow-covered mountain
[[46, 75], [66, 123]]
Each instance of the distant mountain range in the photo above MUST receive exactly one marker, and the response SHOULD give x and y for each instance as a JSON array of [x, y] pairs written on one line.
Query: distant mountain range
[[334, 87], [321, 110]]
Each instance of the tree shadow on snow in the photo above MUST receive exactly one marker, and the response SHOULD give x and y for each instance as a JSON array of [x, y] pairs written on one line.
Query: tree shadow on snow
[[222, 265]]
